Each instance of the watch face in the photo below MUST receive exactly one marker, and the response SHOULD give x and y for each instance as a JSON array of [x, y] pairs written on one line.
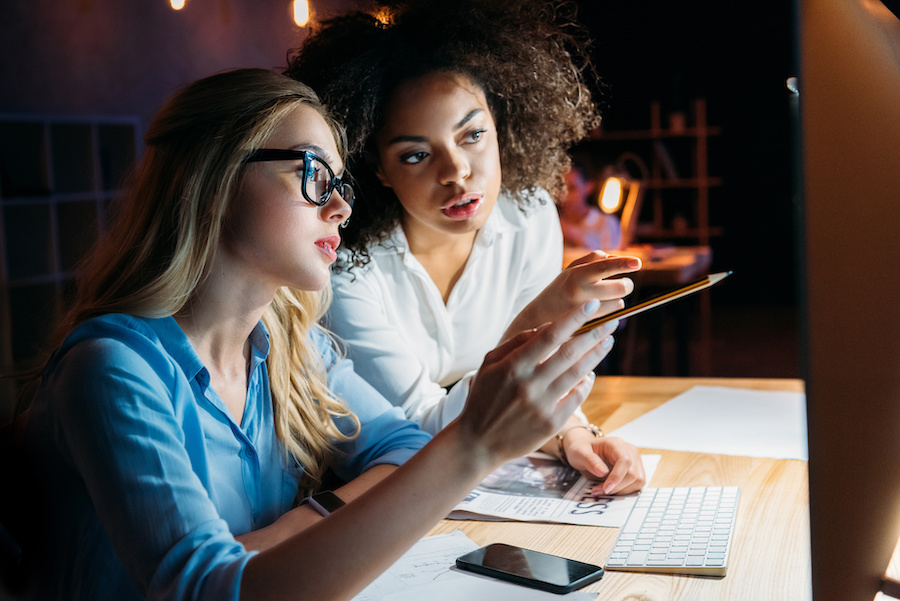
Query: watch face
[[327, 500]]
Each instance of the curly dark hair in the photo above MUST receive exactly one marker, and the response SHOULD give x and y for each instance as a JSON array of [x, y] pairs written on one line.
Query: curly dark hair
[[530, 57]]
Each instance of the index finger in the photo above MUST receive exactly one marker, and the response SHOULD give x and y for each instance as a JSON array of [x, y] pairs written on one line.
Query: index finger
[[610, 265], [550, 336]]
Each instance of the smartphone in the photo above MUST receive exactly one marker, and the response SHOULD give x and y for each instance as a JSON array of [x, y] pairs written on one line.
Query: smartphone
[[655, 301], [530, 568]]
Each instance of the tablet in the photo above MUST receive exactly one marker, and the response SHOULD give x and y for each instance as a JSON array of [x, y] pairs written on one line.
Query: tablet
[[655, 301]]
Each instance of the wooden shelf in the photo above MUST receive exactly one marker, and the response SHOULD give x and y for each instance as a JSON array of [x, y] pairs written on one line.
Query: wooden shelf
[[649, 231], [677, 192], [650, 134], [683, 182]]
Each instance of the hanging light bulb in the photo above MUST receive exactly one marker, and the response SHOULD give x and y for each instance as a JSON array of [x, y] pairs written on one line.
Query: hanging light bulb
[[384, 15], [300, 8], [177, 4]]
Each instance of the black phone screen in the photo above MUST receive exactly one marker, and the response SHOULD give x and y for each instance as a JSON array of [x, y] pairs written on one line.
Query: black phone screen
[[530, 568]]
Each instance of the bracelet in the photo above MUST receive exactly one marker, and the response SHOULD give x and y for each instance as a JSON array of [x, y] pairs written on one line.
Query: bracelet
[[597, 432]]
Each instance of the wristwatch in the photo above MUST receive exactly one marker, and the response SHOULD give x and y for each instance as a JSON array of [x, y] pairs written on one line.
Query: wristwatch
[[325, 502]]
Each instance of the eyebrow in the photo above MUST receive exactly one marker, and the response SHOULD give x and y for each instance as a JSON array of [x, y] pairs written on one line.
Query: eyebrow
[[315, 149], [321, 153], [462, 122]]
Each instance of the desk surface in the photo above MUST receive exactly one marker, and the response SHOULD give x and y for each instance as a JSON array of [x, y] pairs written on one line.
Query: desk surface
[[770, 558], [662, 267], [669, 266]]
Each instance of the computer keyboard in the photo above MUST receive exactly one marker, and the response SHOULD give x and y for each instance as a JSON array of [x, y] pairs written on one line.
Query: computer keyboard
[[678, 531]]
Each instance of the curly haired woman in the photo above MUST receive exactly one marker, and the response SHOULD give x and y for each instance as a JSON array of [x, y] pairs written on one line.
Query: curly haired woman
[[449, 254]]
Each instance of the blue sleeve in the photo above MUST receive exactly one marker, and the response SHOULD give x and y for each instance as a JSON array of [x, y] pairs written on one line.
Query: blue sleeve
[[118, 417], [385, 435]]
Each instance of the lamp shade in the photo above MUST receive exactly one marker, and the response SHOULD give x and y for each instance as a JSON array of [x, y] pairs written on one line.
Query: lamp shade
[[621, 192]]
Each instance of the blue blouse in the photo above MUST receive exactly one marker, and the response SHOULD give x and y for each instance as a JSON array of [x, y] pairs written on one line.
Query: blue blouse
[[148, 476]]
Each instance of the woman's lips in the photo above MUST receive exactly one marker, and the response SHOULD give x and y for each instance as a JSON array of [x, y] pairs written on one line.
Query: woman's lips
[[328, 246], [462, 207]]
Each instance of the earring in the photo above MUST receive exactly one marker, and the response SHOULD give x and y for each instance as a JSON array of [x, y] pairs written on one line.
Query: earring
[[344, 223]]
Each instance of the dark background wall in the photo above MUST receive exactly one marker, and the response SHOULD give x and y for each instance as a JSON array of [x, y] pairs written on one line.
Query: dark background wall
[[125, 57], [738, 60]]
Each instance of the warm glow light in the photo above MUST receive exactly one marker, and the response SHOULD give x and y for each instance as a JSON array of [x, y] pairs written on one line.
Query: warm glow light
[[384, 15], [611, 195], [177, 4], [301, 12]]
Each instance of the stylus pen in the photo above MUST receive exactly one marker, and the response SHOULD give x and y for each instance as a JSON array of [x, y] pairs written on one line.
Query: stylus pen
[[659, 299]]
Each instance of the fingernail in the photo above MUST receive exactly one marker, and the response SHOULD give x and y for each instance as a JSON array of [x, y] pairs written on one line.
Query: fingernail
[[633, 263], [612, 326], [591, 306], [607, 342]]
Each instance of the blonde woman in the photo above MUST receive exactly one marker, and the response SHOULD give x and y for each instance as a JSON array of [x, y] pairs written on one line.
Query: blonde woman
[[192, 393]]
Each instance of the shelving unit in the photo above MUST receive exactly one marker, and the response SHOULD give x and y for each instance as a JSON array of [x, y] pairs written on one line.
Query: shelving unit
[[678, 191], [57, 176], [675, 211]]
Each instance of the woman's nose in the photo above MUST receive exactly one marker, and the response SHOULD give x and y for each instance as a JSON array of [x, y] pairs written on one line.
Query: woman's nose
[[455, 167], [338, 208]]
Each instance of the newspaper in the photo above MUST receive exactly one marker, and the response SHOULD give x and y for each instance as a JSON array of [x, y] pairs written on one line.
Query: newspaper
[[536, 488]]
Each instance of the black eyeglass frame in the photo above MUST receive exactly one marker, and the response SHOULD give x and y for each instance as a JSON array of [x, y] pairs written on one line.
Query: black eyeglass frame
[[278, 154]]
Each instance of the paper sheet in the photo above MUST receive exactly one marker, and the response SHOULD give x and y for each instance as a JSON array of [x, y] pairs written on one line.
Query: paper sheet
[[427, 571], [725, 421], [538, 488]]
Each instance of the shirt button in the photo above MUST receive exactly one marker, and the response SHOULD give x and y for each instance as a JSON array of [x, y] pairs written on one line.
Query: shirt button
[[250, 452]]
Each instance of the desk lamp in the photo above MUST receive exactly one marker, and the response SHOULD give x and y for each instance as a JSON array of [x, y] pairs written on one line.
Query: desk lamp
[[621, 193]]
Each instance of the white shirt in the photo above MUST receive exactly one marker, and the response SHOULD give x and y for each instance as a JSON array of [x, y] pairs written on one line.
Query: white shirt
[[408, 344]]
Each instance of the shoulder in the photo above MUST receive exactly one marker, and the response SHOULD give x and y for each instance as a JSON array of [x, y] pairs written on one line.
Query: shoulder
[[349, 269], [326, 346], [116, 350], [111, 333], [388, 263]]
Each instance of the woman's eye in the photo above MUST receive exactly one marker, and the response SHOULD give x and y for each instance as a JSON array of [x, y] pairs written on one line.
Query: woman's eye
[[475, 136], [413, 157], [309, 172]]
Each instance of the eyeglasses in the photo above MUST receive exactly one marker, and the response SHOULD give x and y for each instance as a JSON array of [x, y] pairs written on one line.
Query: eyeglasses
[[319, 180]]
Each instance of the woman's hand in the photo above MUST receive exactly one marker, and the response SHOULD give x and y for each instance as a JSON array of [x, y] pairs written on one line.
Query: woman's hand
[[585, 278], [610, 460], [529, 385]]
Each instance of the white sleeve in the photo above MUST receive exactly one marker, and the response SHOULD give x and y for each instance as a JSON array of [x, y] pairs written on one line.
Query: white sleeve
[[545, 243], [359, 317], [544, 247]]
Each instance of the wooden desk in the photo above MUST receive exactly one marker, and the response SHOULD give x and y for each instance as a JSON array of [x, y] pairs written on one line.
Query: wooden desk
[[663, 269], [667, 267], [671, 266], [770, 559]]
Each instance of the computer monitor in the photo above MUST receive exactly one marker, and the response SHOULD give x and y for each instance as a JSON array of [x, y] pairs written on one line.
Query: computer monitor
[[849, 96]]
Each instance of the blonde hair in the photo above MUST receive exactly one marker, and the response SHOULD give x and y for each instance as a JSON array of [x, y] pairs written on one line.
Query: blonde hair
[[168, 230]]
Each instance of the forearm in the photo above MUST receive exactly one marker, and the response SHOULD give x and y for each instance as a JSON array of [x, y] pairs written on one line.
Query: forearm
[[371, 533], [302, 517], [503, 419]]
